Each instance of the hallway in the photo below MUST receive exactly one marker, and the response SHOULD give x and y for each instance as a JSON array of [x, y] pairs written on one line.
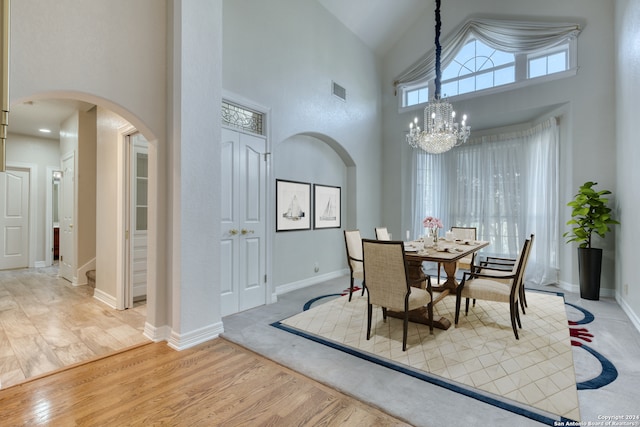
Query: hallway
[[46, 324]]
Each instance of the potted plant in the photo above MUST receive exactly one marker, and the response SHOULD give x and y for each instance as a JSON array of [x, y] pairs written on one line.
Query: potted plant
[[590, 215]]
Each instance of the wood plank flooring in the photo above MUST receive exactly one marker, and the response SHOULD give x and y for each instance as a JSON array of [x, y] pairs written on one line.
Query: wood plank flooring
[[214, 383]]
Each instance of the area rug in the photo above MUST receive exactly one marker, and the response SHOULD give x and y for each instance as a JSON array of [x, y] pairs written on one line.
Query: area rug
[[480, 357]]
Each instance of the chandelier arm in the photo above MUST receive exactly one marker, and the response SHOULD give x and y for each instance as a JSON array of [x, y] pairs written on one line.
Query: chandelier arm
[[438, 51]]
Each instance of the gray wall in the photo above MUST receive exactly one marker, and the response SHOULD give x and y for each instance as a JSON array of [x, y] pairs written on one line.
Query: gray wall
[[283, 55]]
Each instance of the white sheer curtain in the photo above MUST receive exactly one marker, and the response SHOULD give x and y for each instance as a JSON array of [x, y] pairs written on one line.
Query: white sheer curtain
[[504, 185], [508, 36]]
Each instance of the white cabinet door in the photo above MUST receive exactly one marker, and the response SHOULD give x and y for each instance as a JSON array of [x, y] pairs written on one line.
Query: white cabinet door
[[243, 225], [14, 219]]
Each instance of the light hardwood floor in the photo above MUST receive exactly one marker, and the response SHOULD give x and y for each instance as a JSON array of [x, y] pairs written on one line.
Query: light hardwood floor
[[214, 383], [67, 359], [46, 323]]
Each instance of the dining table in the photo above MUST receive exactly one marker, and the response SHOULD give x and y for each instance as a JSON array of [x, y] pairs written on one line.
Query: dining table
[[447, 252]]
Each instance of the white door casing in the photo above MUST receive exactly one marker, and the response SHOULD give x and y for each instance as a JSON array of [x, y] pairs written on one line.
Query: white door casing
[[67, 214], [243, 222], [14, 218]]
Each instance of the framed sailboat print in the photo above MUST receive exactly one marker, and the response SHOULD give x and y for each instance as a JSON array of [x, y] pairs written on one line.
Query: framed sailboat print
[[326, 204], [293, 205]]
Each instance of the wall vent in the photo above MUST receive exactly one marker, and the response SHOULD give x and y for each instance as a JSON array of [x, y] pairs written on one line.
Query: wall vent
[[339, 91]]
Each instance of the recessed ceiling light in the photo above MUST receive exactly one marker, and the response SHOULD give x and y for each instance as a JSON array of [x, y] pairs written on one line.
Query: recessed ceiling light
[[43, 130]]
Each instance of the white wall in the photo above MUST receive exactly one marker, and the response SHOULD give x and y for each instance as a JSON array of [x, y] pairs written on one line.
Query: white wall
[[107, 201], [628, 158], [587, 153], [43, 153], [284, 54]]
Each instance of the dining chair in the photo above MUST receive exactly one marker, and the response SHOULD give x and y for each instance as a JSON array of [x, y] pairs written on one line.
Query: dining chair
[[353, 244], [388, 286], [491, 287], [463, 233], [498, 264], [382, 233]]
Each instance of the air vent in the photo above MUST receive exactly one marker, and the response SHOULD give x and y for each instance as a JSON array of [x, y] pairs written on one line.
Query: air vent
[[339, 91]]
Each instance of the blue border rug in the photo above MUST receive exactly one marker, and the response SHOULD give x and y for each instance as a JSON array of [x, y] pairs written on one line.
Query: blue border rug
[[577, 332]]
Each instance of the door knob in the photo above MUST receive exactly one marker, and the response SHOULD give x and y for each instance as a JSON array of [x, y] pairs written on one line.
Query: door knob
[[245, 231], [233, 231]]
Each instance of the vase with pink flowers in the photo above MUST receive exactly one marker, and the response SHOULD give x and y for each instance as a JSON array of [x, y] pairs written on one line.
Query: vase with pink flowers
[[432, 224]]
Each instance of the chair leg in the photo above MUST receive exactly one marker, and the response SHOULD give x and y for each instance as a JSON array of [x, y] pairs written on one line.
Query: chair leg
[[439, 265], [369, 310], [458, 298], [363, 287], [523, 298], [430, 314], [405, 329], [351, 288], [513, 310], [466, 306], [384, 313], [518, 315]]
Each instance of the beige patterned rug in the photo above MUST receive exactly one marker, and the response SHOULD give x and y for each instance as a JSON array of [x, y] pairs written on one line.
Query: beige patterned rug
[[480, 357]]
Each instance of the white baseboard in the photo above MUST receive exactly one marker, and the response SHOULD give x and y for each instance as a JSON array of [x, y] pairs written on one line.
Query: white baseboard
[[40, 264], [183, 341], [157, 334], [635, 320], [569, 287], [104, 298], [300, 284]]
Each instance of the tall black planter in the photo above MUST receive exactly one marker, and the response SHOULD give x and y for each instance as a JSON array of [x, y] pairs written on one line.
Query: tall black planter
[[590, 268]]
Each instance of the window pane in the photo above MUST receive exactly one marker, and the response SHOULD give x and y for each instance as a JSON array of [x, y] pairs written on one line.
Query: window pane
[[502, 58], [451, 72], [467, 52], [483, 50], [141, 219], [557, 62], [449, 89], [505, 76], [483, 63], [141, 191], [423, 95], [141, 164], [412, 97], [467, 85], [537, 67], [484, 80]]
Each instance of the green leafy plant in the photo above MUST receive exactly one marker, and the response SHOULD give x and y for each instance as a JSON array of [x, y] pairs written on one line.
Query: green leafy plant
[[590, 215]]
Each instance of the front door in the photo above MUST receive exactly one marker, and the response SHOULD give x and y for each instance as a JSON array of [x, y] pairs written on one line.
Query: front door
[[14, 219], [243, 224]]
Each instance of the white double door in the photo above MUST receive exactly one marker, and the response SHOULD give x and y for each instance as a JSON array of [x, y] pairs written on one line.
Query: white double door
[[243, 224]]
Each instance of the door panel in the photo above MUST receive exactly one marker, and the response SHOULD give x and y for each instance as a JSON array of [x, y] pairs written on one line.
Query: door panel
[[138, 219], [243, 222], [14, 219]]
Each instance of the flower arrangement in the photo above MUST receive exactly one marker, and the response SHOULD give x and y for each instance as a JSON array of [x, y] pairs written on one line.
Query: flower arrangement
[[432, 223]]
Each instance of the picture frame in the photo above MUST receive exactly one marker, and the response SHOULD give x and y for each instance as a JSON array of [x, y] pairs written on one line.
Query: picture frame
[[293, 205], [327, 206]]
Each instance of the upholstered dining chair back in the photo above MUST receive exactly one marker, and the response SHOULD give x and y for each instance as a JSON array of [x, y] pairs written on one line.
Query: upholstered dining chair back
[[353, 245], [465, 233], [385, 267], [491, 287], [382, 233]]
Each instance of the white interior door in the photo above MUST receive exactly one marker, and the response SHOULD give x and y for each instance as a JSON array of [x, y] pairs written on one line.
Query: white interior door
[[138, 217], [67, 207], [243, 225], [14, 219]]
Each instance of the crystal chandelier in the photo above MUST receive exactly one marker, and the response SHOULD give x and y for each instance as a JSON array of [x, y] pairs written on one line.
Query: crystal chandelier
[[441, 133]]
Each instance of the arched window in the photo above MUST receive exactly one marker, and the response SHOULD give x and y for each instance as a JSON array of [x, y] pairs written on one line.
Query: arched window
[[487, 56]]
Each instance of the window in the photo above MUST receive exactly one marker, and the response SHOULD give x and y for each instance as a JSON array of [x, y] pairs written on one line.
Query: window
[[478, 67], [504, 185]]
